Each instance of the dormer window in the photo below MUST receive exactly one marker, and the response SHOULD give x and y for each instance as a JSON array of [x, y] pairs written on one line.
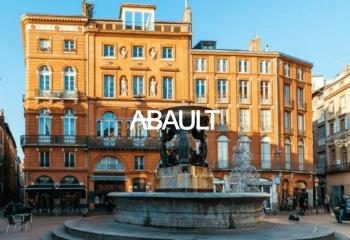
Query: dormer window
[[138, 17]]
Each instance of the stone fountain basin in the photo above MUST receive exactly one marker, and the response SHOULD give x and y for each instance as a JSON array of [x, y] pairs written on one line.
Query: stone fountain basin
[[189, 210]]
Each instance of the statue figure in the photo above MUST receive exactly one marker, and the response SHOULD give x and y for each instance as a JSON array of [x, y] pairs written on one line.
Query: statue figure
[[183, 147], [123, 52], [153, 53], [124, 87], [153, 87]]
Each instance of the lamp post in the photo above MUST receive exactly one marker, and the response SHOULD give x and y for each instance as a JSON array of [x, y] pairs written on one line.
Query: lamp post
[[316, 181]]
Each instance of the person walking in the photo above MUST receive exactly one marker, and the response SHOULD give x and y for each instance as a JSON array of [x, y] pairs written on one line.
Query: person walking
[[327, 204]]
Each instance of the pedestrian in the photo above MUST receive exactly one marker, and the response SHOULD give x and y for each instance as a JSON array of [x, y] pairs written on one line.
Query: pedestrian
[[327, 204], [264, 206], [301, 204]]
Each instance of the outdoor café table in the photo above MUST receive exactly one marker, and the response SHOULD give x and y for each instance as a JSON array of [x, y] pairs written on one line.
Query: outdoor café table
[[22, 216]]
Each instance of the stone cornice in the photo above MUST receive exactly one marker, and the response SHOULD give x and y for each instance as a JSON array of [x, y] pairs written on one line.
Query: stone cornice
[[53, 19]]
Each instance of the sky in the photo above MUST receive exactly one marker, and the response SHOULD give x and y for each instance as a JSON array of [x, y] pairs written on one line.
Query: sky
[[313, 30]]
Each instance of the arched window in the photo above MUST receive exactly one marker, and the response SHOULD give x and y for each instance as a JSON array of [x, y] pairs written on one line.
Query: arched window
[[69, 79], [44, 78], [222, 146], [69, 180], [44, 180], [109, 164], [287, 153], [301, 155], [69, 123], [44, 122], [265, 153], [108, 126]]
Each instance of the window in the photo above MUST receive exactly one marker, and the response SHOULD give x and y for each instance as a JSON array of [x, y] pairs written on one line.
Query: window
[[222, 65], [69, 79], [139, 163], [69, 126], [287, 122], [109, 164], [167, 88], [69, 159], [108, 89], [342, 103], [200, 90], [344, 155], [300, 74], [265, 153], [287, 153], [223, 117], [222, 90], [264, 67], [200, 64], [244, 120], [222, 145], [138, 135], [137, 52], [138, 20], [332, 156], [69, 46], [342, 124], [44, 78], [265, 118], [44, 45], [301, 124], [108, 50], [168, 53], [108, 126], [331, 128], [287, 96], [286, 70], [243, 66], [243, 91], [44, 160], [264, 92], [300, 95], [138, 86], [331, 108], [301, 155], [44, 122]]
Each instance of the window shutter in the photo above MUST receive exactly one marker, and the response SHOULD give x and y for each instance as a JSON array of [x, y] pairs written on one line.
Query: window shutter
[[327, 129]]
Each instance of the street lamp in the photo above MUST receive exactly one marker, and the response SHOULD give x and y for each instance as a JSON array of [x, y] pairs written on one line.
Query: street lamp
[[316, 181]]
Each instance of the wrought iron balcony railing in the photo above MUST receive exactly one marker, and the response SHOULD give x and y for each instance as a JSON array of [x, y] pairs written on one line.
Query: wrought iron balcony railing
[[288, 103], [343, 167], [52, 140], [91, 141], [57, 95]]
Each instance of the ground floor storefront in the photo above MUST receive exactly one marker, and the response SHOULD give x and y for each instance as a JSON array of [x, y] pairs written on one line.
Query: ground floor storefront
[[338, 186]]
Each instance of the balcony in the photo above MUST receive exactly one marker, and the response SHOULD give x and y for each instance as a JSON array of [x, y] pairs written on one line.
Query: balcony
[[301, 106], [342, 167], [244, 100], [244, 127], [288, 131], [201, 99], [266, 128], [149, 143], [57, 95], [52, 140], [288, 103], [222, 99], [265, 100], [301, 132]]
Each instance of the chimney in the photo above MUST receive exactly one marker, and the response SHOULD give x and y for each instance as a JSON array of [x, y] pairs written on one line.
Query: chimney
[[254, 44], [87, 9]]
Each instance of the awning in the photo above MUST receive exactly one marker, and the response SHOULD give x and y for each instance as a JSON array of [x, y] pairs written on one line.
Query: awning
[[108, 178], [71, 187], [38, 187]]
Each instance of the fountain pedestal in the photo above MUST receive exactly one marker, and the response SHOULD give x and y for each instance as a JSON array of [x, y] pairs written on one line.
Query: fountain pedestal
[[183, 178]]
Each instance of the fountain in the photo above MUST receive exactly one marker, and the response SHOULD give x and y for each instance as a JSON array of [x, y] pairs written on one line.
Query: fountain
[[184, 205], [184, 196]]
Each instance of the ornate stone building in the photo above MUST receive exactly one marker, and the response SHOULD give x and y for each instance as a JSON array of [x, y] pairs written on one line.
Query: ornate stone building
[[86, 77], [9, 164], [331, 129]]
